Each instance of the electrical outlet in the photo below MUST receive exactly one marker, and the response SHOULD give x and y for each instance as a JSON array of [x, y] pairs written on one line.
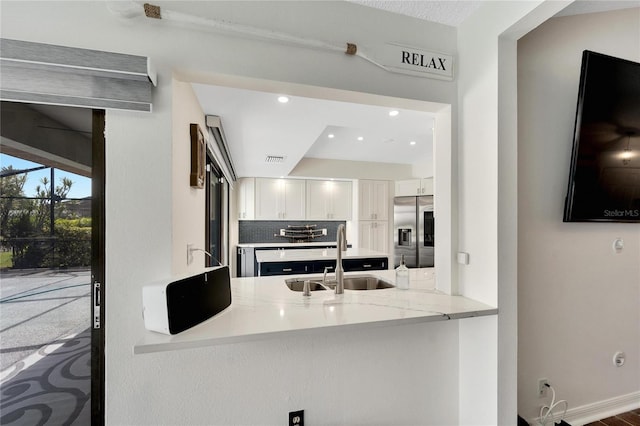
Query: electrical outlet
[[189, 254], [296, 418], [619, 358], [542, 387]]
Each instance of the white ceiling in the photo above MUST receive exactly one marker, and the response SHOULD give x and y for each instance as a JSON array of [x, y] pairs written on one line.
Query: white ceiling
[[454, 12], [449, 12], [257, 125]]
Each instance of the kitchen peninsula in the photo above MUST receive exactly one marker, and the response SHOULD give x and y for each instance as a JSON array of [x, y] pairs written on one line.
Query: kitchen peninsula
[[264, 307]]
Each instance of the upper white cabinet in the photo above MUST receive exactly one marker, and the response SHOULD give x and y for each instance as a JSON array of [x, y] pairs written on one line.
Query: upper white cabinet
[[329, 200], [279, 199], [373, 199], [246, 200], [414, 187]]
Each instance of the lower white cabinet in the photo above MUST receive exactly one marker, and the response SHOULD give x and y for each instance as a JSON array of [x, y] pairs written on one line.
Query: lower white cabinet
[[374, 235]]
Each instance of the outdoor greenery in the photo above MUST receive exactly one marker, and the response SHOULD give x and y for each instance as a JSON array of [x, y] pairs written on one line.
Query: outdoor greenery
[[5, 260], [27, 232]]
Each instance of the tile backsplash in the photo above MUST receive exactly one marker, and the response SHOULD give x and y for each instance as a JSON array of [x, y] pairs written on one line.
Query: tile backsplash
[[267, 231]]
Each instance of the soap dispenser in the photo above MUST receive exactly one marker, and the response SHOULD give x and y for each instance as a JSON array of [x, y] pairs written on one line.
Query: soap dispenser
[[402, 275]]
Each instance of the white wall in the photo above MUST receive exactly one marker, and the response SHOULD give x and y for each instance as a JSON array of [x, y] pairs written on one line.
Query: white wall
[[578, 301], [317, 167], [399, 375], [486, 388], [188, 223]]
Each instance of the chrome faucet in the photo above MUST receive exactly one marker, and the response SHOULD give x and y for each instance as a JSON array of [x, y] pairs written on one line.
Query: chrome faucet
[[341, 245]]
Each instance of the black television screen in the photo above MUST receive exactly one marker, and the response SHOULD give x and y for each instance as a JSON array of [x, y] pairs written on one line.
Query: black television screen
[[604, 180]]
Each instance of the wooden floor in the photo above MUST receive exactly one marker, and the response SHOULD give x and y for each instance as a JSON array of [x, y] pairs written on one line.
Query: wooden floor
[[631, 418]]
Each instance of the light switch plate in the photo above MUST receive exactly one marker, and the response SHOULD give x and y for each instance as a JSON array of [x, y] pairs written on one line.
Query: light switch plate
[[463, 258]]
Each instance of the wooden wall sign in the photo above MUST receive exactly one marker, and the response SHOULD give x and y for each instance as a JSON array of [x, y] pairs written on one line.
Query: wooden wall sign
[[198, 153], [414, 61]]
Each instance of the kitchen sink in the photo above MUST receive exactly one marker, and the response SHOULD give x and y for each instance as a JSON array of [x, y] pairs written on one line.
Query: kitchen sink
[[355, 282], [363, 282], [297, 284]]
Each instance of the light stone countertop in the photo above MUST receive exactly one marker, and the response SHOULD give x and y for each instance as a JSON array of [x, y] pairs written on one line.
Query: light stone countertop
[[289, 245], [265, 256], [264, 307]]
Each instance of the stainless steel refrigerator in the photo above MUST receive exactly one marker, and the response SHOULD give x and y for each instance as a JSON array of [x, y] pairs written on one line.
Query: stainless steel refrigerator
[[414, 231]]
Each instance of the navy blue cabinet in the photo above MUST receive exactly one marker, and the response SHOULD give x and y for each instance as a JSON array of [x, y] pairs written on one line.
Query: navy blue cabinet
[[374, 264], [317, 266], [285, 268]]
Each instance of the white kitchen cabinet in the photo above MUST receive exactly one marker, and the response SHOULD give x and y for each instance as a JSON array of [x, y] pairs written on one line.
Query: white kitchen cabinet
[[374, 235], [246, 198], [279, 199], [373, 199], [329, 200], [414, 187]]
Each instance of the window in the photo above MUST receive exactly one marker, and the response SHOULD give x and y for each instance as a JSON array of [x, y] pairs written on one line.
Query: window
[[217, 218]]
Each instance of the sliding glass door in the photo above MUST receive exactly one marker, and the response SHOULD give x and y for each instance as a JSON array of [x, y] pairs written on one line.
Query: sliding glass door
[[51, 265], [214, 214]]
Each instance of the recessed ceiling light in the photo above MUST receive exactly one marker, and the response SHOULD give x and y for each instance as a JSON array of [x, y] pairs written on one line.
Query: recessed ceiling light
[[360, 138], [412, 143], [394, 112], [331, 136], [283, 99]]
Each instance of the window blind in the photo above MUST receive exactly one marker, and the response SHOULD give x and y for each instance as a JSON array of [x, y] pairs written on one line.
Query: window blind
[[60, 75]]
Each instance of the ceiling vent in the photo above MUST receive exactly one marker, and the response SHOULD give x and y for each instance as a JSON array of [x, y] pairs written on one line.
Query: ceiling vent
[[274, 159]]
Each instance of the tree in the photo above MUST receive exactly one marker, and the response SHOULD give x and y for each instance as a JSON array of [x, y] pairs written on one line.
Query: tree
[[26, 224], [11, 193], [44, 199]]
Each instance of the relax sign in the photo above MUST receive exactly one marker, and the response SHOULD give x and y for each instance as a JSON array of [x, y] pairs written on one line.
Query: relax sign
[[414, 61]]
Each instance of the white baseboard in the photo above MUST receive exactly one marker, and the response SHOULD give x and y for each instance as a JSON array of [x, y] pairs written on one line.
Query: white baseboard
[[580, 416]]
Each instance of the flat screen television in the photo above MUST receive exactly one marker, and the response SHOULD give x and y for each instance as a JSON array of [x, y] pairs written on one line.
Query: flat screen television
[[604, 179]]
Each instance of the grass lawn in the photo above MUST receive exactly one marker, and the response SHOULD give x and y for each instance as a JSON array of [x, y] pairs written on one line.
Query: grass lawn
[[5, 260]]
